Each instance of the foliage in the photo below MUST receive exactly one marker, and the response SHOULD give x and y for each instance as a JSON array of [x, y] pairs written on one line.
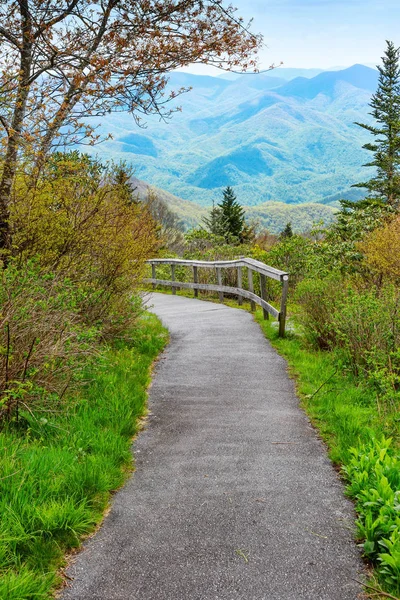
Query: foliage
[[294, 254], [80, 244], [318, 300], [80, 224], [170, 227], [367, 329], [287, 232], [43, 341], [64, 64], [381, 249], [361, 326], [339, 245], [227, 219], [199, 241], [374, 475], [213, 221], [57, 471], [385, 104], [232, 215]]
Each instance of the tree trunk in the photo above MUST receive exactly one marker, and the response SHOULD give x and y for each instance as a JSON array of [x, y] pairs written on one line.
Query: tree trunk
[[14, 134]]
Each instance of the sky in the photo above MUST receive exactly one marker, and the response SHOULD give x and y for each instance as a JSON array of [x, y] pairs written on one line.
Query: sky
[[321, 33]]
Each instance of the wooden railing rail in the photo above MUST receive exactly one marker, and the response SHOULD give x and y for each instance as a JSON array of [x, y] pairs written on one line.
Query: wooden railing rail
[[253, 266]]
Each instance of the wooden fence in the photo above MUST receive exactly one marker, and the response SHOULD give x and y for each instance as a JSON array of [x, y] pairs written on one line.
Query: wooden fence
[[252, 266]]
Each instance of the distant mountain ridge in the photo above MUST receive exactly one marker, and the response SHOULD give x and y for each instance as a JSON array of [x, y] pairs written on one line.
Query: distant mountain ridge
[[270, 215], [271, 139]]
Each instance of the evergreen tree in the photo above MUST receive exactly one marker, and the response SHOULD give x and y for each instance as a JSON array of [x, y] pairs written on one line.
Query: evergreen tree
[[232, 215], [287, 232], [214, 221], [122, 178], [385, 104]]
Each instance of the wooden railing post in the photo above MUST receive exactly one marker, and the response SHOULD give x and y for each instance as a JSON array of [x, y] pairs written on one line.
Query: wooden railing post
[[153, 274], [263, 293], [240, 284], [251, 288], [282, 314], [173, 277], [195, 280], [219, 280]]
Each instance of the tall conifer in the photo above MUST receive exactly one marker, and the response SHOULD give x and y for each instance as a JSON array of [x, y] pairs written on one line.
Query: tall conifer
[[385, 104], [232, 214]]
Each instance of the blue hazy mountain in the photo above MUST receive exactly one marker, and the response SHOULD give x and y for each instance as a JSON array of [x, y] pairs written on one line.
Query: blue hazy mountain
[[271, 139], [283, 72], [357, 76]]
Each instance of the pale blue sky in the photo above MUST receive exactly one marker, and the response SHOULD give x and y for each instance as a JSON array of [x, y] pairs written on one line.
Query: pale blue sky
[[322, 33]]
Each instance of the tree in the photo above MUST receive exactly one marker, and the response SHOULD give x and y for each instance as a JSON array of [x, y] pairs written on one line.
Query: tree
[[385, 104], [214, 221], [381, 248], [122, 178], [170, 228], [232, 215], [61, 62], [287, 232]]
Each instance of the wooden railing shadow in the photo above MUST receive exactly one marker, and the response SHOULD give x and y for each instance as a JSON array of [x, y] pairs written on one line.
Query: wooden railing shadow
[[252, 266]]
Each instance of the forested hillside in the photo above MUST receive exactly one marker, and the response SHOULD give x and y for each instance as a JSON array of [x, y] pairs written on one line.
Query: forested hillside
[[273, 140]]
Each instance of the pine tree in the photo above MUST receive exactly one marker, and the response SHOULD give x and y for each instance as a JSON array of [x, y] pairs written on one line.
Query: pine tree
[[232, 215], [287, 232], [122, 178], [214, 221], [385, 104]]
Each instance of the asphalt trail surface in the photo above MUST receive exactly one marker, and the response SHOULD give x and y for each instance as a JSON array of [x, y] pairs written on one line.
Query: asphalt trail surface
[[233, 497]]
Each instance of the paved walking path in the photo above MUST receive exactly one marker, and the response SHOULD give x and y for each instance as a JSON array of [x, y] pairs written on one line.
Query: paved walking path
[[233, 497]]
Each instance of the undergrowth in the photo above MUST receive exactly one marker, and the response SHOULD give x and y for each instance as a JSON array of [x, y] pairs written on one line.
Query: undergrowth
[[58, 470]]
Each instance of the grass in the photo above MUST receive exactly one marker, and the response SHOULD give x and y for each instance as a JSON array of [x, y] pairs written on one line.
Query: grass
[[345, 409], [58, 469]]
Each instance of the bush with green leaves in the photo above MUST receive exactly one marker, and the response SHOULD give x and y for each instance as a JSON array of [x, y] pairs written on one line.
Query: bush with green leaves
[[367, 328], [374, 475], [319, 300]]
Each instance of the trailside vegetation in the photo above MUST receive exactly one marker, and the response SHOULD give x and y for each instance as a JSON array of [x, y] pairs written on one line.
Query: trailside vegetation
[[60, 465]]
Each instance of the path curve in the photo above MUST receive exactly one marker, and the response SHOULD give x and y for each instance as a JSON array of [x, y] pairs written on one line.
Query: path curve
[[233, 497]]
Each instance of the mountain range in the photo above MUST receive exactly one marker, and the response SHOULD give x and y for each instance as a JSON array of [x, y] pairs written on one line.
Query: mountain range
[[273, 137]]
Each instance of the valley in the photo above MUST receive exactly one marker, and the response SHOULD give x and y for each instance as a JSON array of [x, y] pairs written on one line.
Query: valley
[[276, 138]]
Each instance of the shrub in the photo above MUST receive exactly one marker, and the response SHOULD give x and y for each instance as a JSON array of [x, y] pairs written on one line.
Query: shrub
[[42, 338], [367, 329], [381, 248], [319, 300], [81, 225]]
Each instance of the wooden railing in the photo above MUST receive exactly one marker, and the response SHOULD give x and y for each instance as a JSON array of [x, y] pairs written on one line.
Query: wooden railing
[[252, 266]]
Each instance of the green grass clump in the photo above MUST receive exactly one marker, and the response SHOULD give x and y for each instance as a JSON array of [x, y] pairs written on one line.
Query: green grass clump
[[57, 471]]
